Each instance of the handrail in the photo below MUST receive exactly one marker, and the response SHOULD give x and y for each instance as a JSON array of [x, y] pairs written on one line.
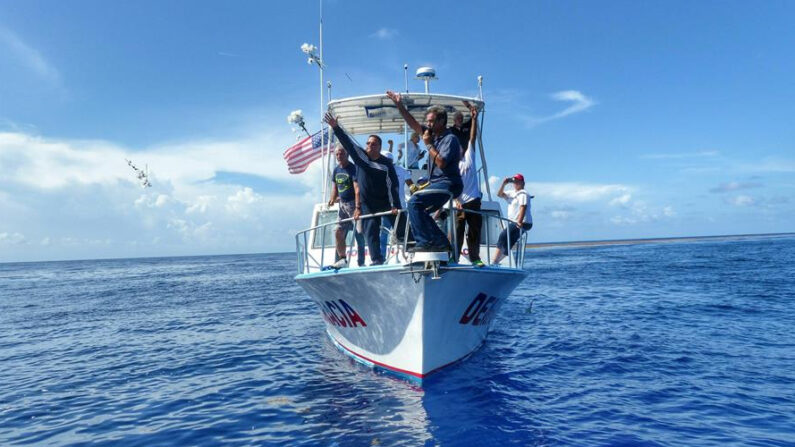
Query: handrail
[[307, 262], [502, 221]]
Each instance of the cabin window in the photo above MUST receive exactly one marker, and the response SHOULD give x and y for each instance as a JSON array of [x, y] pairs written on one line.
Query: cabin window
[[325, 217]]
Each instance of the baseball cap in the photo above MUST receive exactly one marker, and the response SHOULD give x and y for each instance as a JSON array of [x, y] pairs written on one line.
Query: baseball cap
[[518, 178]]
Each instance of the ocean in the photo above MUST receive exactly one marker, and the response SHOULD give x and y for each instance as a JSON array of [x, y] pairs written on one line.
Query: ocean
[[640, 345]]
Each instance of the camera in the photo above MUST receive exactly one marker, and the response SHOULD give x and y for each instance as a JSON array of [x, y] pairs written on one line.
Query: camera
[[510, 180]]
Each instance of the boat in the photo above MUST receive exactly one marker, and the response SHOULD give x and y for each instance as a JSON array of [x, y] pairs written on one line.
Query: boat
[[418, 312]]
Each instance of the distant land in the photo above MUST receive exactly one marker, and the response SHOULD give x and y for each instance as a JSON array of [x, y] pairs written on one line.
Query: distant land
[[656, 240]]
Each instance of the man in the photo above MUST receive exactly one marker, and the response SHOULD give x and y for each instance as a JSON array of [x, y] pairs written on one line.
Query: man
[[414, 154], [470, 197], [378, 185], [460, 127], [444, 153], [518, 212], [347, 189]]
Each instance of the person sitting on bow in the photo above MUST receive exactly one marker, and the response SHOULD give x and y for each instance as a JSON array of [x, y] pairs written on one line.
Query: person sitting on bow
[[444, 153]]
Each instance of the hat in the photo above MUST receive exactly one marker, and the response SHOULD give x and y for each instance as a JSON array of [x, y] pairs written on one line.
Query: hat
[[518, 178]]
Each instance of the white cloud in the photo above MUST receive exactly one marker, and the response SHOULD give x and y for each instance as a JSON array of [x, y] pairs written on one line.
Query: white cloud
[[770, 164], [88, 188], [50, 164], [560, 214], [621, 200], [734, 186], [742, 200], [578, 192], [28, 56], [571, 191], [681, 155], [7, 238], [579, 103], [639, 212], [385, 33]]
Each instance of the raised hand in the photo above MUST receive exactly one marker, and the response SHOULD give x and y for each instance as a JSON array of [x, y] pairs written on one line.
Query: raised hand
[[329, 118], [395, 97]]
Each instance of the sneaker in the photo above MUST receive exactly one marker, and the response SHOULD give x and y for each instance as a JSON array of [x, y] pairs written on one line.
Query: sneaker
[[341, 264], [478, 263]]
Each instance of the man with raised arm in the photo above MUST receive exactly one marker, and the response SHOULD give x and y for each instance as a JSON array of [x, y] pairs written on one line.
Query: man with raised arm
[[346, 188], [460, 127], [470, 197], [444, 153], [378, 185]]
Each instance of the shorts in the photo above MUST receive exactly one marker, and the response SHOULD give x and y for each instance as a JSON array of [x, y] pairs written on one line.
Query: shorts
[[346, 212], [514, 232]]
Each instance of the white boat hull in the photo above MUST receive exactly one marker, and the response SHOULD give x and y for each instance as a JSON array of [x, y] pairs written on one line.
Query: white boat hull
[[409, 323]]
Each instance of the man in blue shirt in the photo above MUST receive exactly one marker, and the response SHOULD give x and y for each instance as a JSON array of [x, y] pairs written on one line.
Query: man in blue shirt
[[444, 153], [378, 186], [347, 189]]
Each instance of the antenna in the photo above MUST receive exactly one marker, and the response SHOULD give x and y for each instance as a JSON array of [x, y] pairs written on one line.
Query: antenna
[[426, 74], [406, 76], [480, 88]]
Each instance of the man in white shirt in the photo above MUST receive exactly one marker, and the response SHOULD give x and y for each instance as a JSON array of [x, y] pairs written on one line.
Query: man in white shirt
[[414, 154], [518, 212], [470, 197]]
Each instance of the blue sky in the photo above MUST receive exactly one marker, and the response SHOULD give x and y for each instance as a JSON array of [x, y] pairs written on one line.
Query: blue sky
[[628, 119]]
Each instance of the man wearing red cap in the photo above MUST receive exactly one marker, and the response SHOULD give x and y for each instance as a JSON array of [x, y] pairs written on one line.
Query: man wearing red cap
[[518, 212]]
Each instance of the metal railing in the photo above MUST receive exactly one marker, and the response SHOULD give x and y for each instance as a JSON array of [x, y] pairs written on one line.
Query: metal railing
[[307, 261]]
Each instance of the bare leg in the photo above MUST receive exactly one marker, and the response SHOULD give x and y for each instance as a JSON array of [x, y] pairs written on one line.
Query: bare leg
[[498, 256], [339, 236]]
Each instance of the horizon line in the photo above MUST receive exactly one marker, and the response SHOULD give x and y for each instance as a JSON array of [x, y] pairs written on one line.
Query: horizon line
[[537, 245]]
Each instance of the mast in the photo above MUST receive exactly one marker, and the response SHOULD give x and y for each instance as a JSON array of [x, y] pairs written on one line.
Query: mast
[[481, 121], [324, 177], [405, 159]]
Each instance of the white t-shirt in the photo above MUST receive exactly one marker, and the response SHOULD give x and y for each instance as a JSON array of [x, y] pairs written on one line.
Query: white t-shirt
[[469, 175], [413, 155], [515, 200]]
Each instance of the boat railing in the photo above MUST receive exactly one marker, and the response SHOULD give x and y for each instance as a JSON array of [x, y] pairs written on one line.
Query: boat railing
[[309, 261]]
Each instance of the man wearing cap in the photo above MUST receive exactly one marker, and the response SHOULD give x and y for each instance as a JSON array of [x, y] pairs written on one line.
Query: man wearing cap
[[444, 153], [518, 212], [378, 185]]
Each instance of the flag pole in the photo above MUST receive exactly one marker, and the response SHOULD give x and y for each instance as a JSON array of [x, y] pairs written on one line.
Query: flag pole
[[320, 65], [327, 167]]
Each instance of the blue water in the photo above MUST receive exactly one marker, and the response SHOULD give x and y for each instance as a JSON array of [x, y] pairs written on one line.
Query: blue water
[[667, 344]]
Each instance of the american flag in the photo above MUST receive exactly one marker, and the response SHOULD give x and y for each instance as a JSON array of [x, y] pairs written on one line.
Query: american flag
[[299, 156]]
